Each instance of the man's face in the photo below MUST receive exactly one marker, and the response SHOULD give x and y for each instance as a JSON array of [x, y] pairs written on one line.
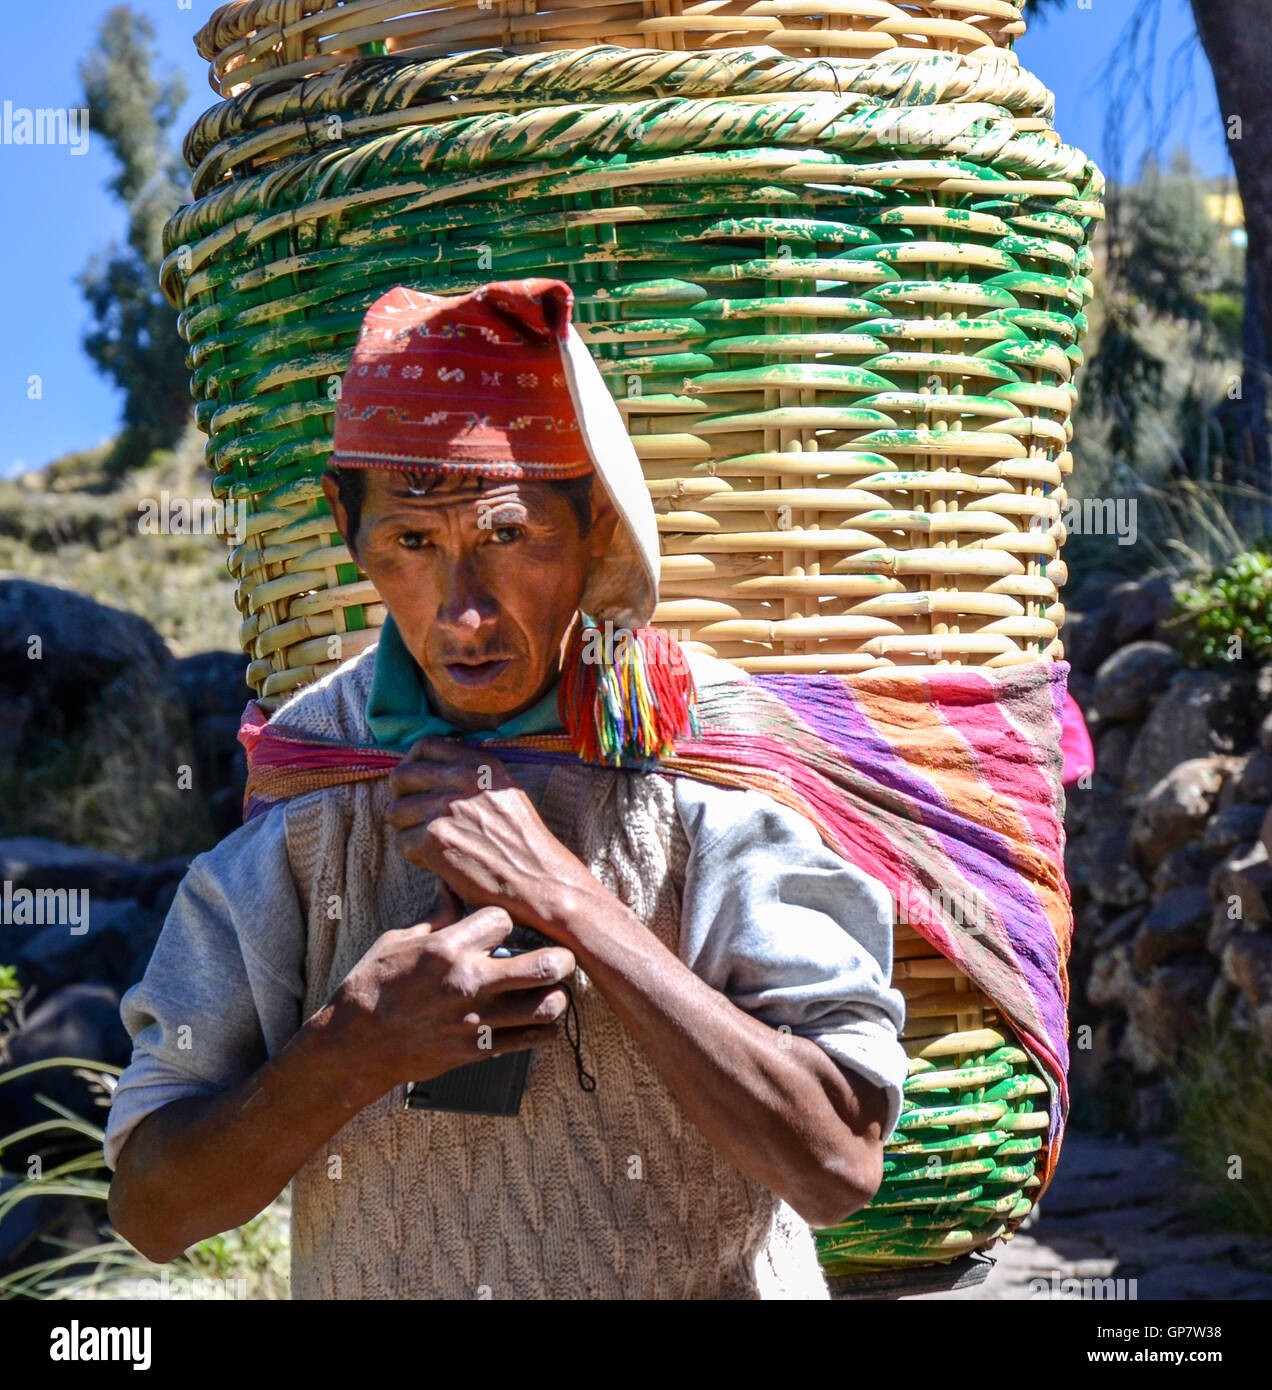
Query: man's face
[[481, 584]]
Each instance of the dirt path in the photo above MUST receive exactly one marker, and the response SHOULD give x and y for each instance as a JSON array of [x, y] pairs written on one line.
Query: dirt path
[[1112, 1213]]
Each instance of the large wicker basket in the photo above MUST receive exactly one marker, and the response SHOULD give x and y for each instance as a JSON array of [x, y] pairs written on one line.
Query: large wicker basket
[[838, 297], [253, 41], [959, 1172]]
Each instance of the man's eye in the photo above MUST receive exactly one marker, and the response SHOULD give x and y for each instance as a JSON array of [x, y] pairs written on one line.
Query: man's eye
[[507, 533], [412, 540]]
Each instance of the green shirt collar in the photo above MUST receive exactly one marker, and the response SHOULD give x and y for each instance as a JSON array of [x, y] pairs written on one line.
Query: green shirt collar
[[398, 709]]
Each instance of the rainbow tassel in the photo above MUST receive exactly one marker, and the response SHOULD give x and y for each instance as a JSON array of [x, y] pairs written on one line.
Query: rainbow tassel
[[625, 694]]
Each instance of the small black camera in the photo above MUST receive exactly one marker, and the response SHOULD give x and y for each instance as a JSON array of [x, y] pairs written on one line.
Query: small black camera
[[494, 1085]]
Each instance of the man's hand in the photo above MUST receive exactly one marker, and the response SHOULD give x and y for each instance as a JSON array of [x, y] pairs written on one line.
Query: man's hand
[[458, 814], [427, 998], [779, 1109], [409, 1010]]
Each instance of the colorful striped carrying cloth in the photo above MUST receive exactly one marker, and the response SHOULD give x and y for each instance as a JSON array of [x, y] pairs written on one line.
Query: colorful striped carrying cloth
[[945, 786]]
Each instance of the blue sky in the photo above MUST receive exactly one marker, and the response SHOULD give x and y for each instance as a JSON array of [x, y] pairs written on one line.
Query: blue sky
[[56, 212]]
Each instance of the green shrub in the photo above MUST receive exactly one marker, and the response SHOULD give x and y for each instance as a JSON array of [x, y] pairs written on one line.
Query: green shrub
[[1227, 313], [9, 990], [1226, 615]]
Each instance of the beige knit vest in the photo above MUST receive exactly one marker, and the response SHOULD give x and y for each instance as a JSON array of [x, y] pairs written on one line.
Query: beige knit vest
[[607, 1194]]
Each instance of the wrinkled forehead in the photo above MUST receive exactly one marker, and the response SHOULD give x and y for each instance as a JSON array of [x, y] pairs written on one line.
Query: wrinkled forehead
[[436, 491]]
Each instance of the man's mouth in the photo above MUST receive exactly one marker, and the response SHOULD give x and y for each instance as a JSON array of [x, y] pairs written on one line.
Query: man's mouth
[[475, 673]]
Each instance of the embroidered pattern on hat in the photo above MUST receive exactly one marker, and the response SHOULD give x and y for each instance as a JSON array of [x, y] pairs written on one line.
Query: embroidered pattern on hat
[[474, 373]]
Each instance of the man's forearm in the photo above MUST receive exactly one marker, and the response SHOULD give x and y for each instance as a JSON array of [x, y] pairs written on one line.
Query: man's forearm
[[207, 1164], [775, 1105]]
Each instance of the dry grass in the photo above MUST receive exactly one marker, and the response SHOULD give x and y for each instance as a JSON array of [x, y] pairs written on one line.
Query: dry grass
[[257, 1253], [60, 526], [1223, 1088]]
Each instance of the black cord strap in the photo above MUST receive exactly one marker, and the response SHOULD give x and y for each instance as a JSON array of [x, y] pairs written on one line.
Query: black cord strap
[[586, 1080]]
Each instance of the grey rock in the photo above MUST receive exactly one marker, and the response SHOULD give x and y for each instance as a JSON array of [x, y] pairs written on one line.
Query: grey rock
[[1247, 963], [1187, 866], [1089, 638], [1179, 923], [1130, 681], [1112, 979], [1091, 919], [1089, 810], [81, 1020], [1265, 734], [1082, 687], [1228, 796], [210, 683], [1263, 1026], [1207, 1282], [80, 646], [1238, 825], [1175, 809], [1204, 713], [1137, 1051], [1220, 1002], [1255, 781], [24, 1223], [1092, 590], [1141, 606], [1243, 880], [53, 956], [31, 861], [1223, 927], [1166, 1010], [1155, 1110], [1121, 928], [1112, 878], [1263, 684], [1112, 749], [1091, 1053]]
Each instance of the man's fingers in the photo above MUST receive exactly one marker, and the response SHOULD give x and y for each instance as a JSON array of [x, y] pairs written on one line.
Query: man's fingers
[[518, 1039], [549, 965], [523, 1008], [427, 777], [482, 931], [409, 811], [438, 757]]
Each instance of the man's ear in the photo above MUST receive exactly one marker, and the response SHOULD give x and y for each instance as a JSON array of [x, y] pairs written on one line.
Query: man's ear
[[332, 493], [604, 520]]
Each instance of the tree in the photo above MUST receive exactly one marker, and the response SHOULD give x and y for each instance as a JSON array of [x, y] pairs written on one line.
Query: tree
[[1234, 36], [1167, 266], [133, 338]]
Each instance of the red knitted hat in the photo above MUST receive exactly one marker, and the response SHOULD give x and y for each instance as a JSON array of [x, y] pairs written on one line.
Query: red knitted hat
[[499, 382], [471, 383]]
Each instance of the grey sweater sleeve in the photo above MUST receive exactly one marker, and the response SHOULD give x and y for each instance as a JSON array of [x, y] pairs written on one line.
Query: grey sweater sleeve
[[770, 917], [223, 989], [790, 932]]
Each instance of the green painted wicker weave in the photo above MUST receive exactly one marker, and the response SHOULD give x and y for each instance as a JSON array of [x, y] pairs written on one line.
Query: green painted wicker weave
[[842, 330], [960, 1169], [839, 303]]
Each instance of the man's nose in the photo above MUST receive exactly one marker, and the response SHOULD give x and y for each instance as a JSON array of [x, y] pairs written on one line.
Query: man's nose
[[465, 603]]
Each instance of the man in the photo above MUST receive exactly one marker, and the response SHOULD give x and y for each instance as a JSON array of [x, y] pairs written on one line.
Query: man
[[730, 973]]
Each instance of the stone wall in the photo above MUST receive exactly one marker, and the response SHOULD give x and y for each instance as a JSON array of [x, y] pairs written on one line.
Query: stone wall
[[1168, 853]]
